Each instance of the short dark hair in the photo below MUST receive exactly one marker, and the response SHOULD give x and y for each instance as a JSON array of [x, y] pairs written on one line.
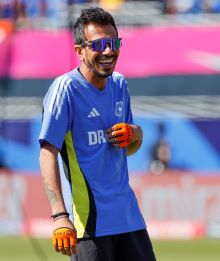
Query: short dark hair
[[91, 15]]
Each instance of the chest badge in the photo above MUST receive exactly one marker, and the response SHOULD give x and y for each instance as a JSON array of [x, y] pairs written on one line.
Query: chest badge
[[118, 108]]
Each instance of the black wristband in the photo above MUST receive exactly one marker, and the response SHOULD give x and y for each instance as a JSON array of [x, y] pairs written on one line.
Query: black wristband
[[60, 214]]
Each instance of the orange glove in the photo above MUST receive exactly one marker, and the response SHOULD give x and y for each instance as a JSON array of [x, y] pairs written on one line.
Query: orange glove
[[64, 240], [120, 135]]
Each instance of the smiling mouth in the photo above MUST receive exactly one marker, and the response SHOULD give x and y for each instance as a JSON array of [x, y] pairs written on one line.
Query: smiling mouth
[[106, 61]]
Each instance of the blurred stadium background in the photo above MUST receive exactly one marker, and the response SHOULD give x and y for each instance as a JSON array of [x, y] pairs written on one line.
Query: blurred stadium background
[[171, 58]]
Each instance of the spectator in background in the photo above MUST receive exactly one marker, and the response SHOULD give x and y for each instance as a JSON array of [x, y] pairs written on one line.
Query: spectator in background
[[182, 6], [192, 6], [160, 152], [7, 9], [210, 6], [111, 5], [1, 10], [21, 19], [43, 8]]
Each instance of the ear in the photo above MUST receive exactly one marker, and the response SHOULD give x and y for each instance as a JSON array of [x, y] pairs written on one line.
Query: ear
[[79, 51]]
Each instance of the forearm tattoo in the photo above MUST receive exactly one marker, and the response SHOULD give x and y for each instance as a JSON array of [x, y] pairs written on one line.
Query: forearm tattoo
[[52, 197]]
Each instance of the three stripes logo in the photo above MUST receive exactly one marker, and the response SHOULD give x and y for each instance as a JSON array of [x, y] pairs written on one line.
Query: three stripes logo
[[93, 113]]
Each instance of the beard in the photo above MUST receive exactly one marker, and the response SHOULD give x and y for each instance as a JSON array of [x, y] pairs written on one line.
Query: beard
[[98, 69], [103, 74]]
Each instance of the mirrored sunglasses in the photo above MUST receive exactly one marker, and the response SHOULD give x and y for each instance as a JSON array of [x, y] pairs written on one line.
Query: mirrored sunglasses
[[99, 45]]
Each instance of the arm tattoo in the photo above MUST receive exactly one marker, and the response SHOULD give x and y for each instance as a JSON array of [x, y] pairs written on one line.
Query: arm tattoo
[[52, 197]]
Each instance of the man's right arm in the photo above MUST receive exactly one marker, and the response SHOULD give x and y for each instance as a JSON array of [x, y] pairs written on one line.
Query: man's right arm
[[51, 177], [52, 185]]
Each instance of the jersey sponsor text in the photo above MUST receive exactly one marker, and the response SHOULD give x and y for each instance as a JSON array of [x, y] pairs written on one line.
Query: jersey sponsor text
[[96, 137]]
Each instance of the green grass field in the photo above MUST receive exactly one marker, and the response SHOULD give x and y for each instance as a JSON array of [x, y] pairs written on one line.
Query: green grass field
[[23, 249]]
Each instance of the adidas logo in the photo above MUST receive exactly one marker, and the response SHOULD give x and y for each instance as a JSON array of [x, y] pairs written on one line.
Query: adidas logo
[[93, 113]]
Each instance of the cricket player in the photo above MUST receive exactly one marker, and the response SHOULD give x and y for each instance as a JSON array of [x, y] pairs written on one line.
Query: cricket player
[[87, 122]]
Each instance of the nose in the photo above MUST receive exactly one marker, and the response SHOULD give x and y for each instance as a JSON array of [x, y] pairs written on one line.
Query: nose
[[107, 49]]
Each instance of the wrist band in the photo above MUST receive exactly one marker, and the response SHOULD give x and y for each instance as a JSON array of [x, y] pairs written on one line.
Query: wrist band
[[60, 214], [57, 218]]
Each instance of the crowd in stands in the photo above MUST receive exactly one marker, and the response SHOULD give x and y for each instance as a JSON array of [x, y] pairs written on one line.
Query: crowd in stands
[[14, 9], [11, 9], [25, 12], [192, 6]]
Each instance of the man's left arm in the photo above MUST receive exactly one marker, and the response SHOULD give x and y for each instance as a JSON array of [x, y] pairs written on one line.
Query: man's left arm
[[134, 146]]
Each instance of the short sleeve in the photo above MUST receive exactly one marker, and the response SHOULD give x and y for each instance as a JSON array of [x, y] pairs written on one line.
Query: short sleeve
[[56, 113]]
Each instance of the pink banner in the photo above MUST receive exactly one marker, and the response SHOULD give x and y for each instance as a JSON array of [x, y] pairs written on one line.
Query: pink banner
[[178, 195], [5, 53], [145, 51], [179, 204], [6, 30], [42, 54], [174, 205], [167, 51]]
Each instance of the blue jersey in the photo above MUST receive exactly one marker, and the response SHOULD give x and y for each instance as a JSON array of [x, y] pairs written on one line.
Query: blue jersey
[[76, 117]]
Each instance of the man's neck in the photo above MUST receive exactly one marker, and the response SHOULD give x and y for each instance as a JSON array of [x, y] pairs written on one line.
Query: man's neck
[[95, 80]]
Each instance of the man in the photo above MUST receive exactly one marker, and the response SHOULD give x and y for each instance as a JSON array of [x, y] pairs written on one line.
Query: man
[[87, 119]]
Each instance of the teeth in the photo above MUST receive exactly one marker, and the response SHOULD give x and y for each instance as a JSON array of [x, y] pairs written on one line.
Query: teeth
[[106, 60]]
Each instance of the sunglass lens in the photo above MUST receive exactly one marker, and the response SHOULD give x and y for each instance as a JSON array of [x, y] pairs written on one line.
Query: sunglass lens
[[99, 45], [117, 43]]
